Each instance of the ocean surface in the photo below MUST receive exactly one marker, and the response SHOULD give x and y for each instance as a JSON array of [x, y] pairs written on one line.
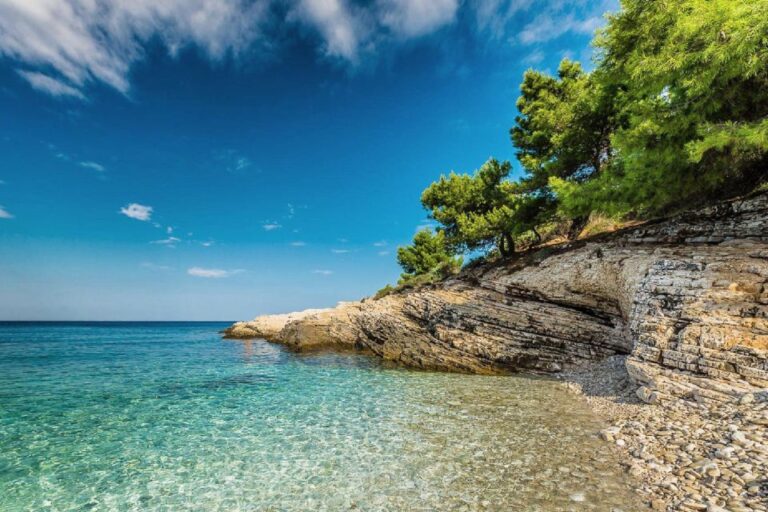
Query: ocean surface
[[168, 416]]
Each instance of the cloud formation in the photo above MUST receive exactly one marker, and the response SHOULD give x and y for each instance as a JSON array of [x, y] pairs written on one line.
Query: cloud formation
[[545, 27], [339, 28], [137, 211], [493, 16], [271, 226], [322, 272], [81, 41], [171, 241], [212, 273], [5, 214], [61, 47], [411, 18], [92, 165], [49, 85]]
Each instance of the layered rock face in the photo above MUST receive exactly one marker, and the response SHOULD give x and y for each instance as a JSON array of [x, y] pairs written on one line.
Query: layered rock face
[[686, 298]]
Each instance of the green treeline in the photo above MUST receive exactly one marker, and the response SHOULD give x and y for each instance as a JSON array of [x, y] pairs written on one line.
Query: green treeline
[[674, 114]]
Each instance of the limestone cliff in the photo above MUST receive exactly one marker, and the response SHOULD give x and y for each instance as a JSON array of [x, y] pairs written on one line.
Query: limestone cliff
[[686, 298]]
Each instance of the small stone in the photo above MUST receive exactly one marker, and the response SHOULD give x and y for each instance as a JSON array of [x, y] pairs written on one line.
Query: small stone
[[746, 398], [646, 395], [739, 438], [578, 497], [725, 453], [609, 434]]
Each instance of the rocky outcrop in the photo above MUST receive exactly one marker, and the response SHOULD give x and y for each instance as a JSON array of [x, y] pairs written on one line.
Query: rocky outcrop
[[269, 326], [686, 298]]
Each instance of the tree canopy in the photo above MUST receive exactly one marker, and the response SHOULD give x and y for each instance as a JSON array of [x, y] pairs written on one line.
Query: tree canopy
[[480, 210], [674, 113], [427, 254], [688, 81]]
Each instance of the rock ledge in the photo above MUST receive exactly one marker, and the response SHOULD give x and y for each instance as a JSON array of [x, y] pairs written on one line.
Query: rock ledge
[[685, 298]]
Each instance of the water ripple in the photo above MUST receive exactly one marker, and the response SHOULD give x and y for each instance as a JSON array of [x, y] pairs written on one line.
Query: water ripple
[[155, 417]]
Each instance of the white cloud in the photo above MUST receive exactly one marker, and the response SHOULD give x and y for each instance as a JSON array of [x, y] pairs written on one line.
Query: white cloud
[[83, 41], [271, 226], [49, 85], [212, 273], [380, 243], [412, 18], [322, 272], [137, 211], [339, 251], [298, 244], [494, 15], [544, 19], [533, 58], [92, 165], [171, 241], [337, 25], [547, 26], [383, 253], [233, 161], [62, 47], [206, 244], [242, 163], [5, 214]]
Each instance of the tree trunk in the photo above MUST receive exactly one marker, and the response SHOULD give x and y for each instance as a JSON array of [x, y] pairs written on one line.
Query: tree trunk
[[506, 245], [537, 235], [577, 225]]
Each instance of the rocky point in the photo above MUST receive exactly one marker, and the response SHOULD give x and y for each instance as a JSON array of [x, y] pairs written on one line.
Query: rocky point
[[663, 327]]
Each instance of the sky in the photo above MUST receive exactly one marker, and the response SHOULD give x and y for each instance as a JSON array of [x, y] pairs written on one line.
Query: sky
[[216, 160]]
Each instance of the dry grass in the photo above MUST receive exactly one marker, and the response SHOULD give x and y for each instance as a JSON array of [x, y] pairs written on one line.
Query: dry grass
[[599, 223]]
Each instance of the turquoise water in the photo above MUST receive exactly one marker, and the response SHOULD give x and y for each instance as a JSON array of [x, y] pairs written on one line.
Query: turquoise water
[[168, 416]]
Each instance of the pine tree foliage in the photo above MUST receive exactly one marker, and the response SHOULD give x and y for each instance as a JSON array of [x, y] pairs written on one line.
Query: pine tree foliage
[[674, 114], [428, 254], [482, 210]]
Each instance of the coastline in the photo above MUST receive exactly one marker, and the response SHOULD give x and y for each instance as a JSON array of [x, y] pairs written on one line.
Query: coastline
[[662, 328], [684, 455]]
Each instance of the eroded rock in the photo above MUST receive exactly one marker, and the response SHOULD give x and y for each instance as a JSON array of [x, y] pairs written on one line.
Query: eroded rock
[[686, 298]]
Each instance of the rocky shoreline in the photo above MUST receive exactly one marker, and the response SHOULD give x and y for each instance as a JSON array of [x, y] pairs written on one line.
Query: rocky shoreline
[[663, 328], [684, 455]]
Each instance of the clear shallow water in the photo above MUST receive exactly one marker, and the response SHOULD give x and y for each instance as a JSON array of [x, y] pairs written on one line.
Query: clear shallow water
[[157, 416]]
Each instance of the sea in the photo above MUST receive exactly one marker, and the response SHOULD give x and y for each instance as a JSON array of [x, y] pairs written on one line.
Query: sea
[[168, 416]]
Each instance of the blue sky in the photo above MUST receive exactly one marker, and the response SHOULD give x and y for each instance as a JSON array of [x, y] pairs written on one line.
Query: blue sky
[[206, 160]]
